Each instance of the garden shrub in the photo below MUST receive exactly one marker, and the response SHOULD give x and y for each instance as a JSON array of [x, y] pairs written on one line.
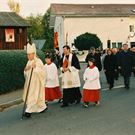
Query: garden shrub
[[12, 64]]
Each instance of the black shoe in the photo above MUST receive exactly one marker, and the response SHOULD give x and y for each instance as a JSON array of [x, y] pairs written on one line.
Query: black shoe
[[85, 105], [60, 100], [27, 115], [110, 87], [72, 102], [77, 102], [64, 105], [97, 103], [127, 87], [46, 102]]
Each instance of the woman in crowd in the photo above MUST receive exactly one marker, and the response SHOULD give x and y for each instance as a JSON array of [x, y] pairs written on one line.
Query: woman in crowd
[[110, 67]]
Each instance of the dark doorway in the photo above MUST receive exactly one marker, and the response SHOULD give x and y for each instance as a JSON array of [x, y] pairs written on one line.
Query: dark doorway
[[108, 43]]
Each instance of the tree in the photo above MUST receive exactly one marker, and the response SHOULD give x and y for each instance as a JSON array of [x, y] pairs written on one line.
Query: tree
[[86, 41], [48, 32], [37, 28], [40, 29], [14, 6]]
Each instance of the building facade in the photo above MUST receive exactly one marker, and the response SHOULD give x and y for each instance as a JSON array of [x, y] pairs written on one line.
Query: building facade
[[114, 24]]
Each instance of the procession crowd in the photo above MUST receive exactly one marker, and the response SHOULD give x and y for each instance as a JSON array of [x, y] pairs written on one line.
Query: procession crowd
[[42, 83]]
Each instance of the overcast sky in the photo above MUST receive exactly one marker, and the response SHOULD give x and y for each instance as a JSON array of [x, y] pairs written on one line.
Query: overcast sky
[[40, 6]]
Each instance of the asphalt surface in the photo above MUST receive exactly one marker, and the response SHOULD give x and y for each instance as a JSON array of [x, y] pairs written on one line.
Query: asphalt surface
[[114, 116]]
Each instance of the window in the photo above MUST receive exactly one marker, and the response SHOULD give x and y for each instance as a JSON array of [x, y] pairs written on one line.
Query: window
[[113, 44], [10, 36], [133, 10], [131, 28], [119, 44], [132, 44]]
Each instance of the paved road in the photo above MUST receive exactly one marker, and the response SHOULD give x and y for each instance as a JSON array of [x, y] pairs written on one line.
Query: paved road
[[115, 116]]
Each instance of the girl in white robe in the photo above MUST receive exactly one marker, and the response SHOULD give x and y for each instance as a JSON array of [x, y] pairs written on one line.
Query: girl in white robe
[[52, 89], [91, 88]]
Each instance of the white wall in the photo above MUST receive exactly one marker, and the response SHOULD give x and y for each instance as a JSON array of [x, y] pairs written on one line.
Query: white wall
[[114, 28], [59, 27], [132, 22]]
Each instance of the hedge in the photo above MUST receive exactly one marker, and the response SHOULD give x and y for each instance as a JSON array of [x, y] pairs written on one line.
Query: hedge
[[12, 64], [86, 41]]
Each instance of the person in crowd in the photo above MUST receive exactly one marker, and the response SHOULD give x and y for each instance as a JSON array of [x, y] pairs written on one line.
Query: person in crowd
[[30, 42], [125, 64], [110, 67], [70, 77], [57, 57], [52, 89], [104, 53], [133, 51], [115, 54], [91, 88], [96, 56], [35, 100]]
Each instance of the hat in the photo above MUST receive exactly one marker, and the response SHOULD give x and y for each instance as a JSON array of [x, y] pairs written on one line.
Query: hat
[[31, 48]]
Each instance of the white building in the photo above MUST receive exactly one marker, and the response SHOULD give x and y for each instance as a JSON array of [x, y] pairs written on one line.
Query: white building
[[114, 22]]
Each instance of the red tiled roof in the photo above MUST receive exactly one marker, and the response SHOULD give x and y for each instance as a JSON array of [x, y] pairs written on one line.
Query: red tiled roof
[[93, 9]]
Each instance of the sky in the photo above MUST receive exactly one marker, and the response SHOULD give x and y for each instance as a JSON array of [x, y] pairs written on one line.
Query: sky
[[40, 6]]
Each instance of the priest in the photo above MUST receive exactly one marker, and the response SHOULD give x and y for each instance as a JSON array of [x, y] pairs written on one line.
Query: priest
[[36, 97], [70, 77]]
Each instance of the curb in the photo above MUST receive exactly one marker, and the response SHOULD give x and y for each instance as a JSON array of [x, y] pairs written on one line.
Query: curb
[[6, 105]]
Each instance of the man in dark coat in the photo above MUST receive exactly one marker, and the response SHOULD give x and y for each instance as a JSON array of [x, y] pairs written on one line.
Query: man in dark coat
[[125, 64], [133, 51], [96, 56]]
